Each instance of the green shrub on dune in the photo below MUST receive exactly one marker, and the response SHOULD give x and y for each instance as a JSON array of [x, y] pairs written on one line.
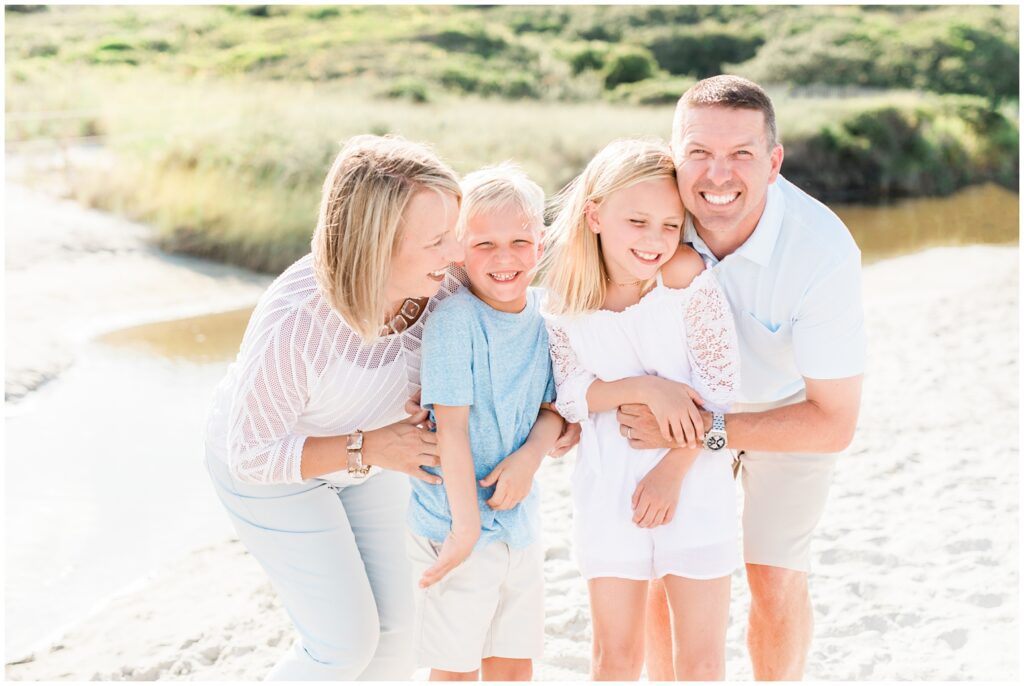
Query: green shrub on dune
[[892, 153], [700, 51], [628, 64], [651, 91]]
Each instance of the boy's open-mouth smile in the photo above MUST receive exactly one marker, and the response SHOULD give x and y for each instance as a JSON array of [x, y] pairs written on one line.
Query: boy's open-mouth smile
[[504, 277], [438, 275]]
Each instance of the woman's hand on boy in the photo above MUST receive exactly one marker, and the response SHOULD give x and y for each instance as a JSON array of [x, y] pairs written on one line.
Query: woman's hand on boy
[[405, 447], [514, 478], [454, 551]]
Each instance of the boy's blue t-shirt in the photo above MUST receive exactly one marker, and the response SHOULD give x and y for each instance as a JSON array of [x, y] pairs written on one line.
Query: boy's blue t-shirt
[[498, 364]]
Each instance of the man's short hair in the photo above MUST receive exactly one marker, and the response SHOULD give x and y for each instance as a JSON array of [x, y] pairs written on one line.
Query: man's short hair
[[727, 91]]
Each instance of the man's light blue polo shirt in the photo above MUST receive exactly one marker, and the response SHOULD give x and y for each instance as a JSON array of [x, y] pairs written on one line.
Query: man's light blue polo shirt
[[795, 291]]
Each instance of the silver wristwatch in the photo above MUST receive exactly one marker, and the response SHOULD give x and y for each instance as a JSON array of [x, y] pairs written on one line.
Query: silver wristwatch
[[356, 467], [716, 439]]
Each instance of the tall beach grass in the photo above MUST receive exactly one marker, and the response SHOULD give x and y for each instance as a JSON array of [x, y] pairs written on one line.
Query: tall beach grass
[[232, 170]]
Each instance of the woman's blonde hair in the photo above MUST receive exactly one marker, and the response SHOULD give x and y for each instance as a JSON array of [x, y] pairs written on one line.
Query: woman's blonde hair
[[360, 224], [575, 273]]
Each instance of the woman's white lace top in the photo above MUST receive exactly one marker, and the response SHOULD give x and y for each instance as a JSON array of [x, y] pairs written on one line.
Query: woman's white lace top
[[686, 335], [301, 371]]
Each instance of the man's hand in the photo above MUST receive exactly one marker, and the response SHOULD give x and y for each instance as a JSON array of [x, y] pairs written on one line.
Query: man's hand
[[568, 440], [514, 476], [638, 424], [454, 551]]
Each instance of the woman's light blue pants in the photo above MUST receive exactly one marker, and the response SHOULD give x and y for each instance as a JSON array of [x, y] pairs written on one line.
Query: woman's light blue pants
[[336, 557]]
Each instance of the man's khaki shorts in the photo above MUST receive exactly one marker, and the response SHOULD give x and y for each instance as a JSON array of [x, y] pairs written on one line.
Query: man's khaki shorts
[[783, 499], [492, 605]]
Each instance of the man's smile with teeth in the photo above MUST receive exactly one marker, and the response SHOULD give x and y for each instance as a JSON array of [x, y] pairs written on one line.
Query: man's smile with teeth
[[503, 276], [719, 199]]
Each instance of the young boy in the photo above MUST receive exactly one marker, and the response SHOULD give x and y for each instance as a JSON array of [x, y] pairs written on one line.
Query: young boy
[[486, 375]]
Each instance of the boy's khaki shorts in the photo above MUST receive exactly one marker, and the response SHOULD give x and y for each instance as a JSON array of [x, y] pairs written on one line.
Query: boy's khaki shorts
[[492, 605], [784, 498]]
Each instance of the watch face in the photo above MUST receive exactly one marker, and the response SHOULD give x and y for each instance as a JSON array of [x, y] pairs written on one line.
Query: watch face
[[714, 441]]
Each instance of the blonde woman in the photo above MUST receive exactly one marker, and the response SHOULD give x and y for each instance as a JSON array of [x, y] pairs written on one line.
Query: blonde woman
[[635, 318], [310, 441]]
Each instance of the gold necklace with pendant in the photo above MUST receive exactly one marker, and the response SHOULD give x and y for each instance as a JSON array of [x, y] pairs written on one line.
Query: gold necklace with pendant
[[405, 318]]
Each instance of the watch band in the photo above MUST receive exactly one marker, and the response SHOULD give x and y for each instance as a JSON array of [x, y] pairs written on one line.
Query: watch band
[[717, 421]]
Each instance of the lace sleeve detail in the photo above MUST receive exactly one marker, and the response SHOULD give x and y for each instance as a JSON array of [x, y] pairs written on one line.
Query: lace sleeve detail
[[571, 379], [711, 344]]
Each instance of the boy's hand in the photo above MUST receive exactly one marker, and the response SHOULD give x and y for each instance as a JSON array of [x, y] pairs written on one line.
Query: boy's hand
[[514, 476], [454, 551], [657, 495], [568, 440]]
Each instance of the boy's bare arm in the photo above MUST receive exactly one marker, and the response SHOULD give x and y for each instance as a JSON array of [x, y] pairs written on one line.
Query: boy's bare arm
[[545, 432], [460, 485], [457, 467], [513, 476], [567, 438]]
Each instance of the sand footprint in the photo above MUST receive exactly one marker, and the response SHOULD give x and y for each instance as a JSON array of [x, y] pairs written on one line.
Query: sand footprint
[[969, 545], [986, 600], [956, 639]]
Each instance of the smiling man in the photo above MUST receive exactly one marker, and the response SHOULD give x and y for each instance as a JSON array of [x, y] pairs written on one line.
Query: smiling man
[[791, 273]]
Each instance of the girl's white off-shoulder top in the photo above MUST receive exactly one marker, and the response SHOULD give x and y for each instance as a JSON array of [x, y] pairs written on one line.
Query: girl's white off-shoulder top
[[302, 371]]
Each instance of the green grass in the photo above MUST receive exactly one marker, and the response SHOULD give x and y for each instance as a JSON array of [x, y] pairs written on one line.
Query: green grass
[[969, 50], [233, 170], [225, 119]]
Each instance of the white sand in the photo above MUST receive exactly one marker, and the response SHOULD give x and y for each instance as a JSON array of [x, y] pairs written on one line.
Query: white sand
[[916, 570]]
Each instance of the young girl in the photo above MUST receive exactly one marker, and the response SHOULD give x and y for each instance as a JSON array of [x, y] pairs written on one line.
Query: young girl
[[633, 317]]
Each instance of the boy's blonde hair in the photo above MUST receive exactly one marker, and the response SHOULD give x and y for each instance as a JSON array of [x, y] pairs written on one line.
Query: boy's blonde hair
[[576, 276], [360, 224], [502, 186]]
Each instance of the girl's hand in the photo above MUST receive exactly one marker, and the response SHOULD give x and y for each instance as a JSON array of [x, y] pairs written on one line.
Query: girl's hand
[[404, 446], [454, 551], [514, 476], [657, 495], [672, 404]]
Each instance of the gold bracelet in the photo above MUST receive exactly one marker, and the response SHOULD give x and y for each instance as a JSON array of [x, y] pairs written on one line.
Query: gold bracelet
[[356, 467]]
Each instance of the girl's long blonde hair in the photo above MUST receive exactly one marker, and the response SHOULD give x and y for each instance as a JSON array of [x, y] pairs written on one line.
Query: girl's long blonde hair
[[574, 271], [364, 196]]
